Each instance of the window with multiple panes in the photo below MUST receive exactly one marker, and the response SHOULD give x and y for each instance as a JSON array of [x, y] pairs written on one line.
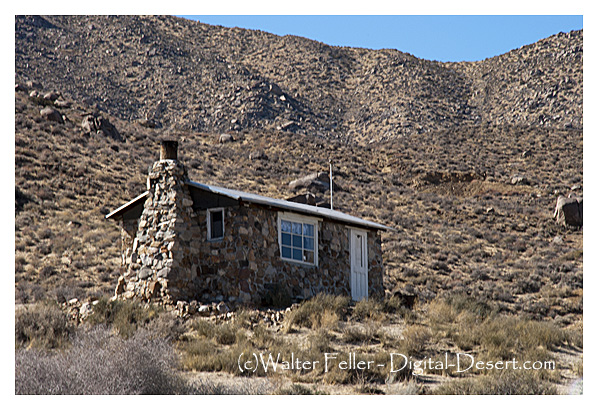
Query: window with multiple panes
[[298, 239], [216, 223]]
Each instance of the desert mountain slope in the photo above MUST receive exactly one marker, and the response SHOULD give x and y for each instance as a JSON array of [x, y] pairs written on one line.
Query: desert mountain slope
[[174, 73], [466, 159]]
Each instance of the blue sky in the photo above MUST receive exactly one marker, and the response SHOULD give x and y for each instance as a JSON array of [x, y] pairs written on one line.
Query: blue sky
[[442, 38]]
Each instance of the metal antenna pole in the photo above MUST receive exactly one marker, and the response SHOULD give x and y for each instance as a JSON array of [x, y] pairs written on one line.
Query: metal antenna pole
[[331, 181]]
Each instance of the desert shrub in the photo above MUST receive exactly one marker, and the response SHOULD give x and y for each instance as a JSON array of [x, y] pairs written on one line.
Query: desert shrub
[[361, 333], [319, 342], [26, 292], [124, 315], [66, 291], [504, 337], [311, 313], [43, 325], [392, 305], [246, 386], [298, 389], [371, 309], [100, 363], [415, 339], [501, 336], [262, 337], [362, 377], [409, 272], [206, 355], [244, 318], [167, 325], [225, 333], [204, 328], [506, 383], [446, 310]]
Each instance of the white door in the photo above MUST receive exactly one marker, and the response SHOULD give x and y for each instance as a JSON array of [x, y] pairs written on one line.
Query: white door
[[359, 264]]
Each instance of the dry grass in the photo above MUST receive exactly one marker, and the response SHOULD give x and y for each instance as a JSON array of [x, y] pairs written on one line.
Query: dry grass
[[125, 316], [322, 311], [42, 325], [460, 322], [506, 383]]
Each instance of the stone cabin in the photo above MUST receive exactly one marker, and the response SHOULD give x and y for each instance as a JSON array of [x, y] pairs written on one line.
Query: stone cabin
[[183, 240]]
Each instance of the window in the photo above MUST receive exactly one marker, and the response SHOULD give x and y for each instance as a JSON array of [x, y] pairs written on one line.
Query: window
[[216, 223], [298, 238]]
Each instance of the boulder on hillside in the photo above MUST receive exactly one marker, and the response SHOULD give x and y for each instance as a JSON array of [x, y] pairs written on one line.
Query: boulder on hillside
[[225, 138], [315, 181], [258, 155], [32, 84], [519, 180], [568, 211], [51, 96], [309, 199], [95, 123], [51, 114]]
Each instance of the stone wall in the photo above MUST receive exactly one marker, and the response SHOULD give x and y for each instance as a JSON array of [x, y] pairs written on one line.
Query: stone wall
[[244, 264], [169, 257], [161, 258]]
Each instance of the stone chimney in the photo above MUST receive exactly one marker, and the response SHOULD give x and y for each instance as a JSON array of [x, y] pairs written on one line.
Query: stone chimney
[[168, 149], [161, 263]]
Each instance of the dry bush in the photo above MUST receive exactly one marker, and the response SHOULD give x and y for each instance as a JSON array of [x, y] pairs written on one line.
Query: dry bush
[[43, 325], [228, 334], [167, 325], [364, 333], [27, 292], [319, 342], [225, 333], [217, 347], [99, 363], [356, 335], [317, 312], [506, 383], [502, 337], [263, 338], [370, 375], [415, 339], [370, 309], [298, 389], [244, 387], [124, 315], [201, 354]]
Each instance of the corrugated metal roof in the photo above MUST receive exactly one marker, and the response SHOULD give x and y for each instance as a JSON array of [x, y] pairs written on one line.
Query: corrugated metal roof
[[267, 201], [289, 205]]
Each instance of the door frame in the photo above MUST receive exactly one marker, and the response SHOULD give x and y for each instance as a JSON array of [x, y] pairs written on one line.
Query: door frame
[[357, 272]]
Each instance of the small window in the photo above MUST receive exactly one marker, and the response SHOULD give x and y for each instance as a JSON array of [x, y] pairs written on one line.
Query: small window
[[298, 239], [216, 223]]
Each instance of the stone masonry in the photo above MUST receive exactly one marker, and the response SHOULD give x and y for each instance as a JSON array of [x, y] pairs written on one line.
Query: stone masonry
[[159, 265], [167, 256]]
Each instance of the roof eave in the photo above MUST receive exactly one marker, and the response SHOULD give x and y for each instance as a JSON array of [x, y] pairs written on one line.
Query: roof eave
[[291, 206], [126, 205]]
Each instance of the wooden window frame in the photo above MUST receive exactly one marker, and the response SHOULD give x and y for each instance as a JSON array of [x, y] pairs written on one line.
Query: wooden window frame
[[209, 222], [301, 219]]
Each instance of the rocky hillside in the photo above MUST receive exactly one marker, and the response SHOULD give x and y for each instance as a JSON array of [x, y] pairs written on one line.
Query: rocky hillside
[[473, 158], [172, 73]]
